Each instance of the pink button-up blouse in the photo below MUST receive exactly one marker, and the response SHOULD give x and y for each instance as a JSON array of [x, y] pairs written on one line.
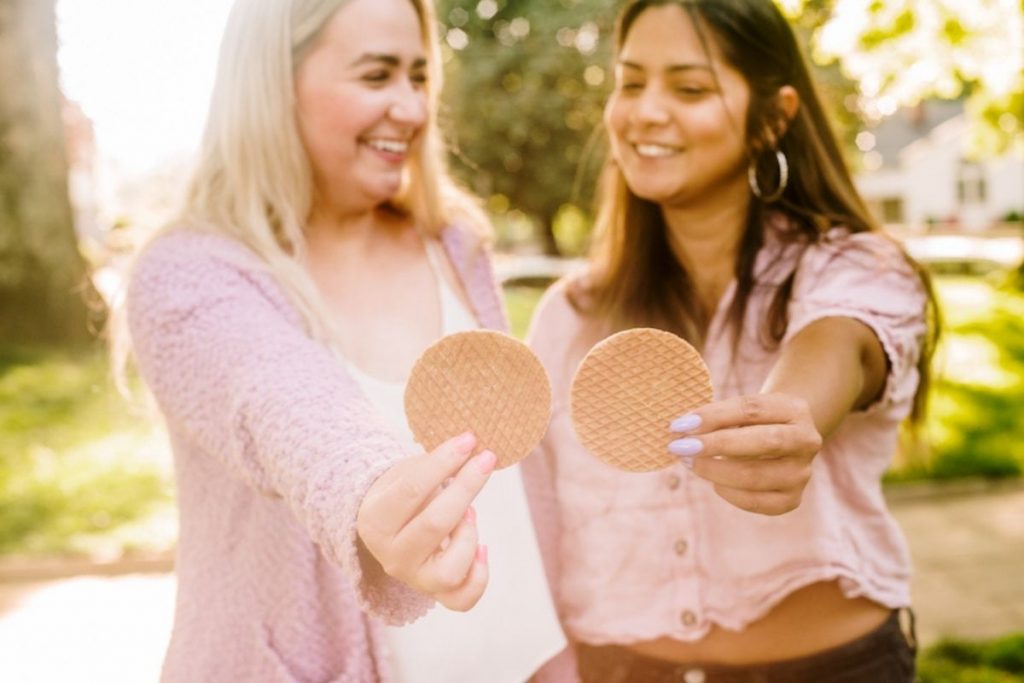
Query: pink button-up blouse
[[633, 557]]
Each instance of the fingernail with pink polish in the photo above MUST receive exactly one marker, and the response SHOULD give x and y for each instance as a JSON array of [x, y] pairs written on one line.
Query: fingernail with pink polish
[[481, 554], [464, 443], [486, 461], [470, 514]]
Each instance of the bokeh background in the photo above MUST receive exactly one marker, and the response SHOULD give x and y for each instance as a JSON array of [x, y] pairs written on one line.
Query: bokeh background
[[101, 107]]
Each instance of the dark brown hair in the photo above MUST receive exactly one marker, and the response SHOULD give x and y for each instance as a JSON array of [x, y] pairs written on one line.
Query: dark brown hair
[[635, 279]]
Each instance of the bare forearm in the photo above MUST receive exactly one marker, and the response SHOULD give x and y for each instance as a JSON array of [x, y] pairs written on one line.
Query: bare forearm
[[835, 364]]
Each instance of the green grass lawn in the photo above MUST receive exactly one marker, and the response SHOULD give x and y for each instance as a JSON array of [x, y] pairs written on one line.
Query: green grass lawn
[[81, 469], [1000, 660], [521, 302]]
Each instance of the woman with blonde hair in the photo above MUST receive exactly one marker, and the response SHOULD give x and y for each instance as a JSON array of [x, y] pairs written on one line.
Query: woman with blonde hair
[[320, 249], [728, 217]]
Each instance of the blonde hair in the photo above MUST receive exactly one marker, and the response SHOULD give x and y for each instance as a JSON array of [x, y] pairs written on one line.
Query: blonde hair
[[253, 180]]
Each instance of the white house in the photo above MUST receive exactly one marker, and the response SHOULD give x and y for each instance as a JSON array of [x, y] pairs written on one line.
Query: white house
[[920, 173]]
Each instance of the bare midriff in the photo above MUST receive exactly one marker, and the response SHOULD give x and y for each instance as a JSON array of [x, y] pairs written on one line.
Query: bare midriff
[[810, 620]]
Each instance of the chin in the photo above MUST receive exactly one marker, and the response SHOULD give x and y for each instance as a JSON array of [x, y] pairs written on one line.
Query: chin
[[657, 195], [652, 189], [383, 192]]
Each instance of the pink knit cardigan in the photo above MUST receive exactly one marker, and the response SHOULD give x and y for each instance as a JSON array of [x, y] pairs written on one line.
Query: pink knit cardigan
[[274, 448]]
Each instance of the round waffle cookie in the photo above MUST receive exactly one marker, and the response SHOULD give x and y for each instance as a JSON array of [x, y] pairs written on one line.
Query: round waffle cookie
[[483, 382], [628, 390]]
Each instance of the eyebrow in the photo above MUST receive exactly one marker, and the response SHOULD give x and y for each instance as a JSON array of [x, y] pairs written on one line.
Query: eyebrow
[[390, 60], [675, 68]]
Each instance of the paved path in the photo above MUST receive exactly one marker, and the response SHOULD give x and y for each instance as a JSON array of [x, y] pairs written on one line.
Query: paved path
[[85, 629], [968, 551], [968, 554]]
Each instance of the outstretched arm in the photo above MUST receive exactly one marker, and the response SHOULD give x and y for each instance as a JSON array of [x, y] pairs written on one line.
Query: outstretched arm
[[834, 364], [757, 450]]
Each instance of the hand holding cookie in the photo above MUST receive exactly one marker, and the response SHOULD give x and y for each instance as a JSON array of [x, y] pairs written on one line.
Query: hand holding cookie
[[756, 450], [421, 531], [417, 519]]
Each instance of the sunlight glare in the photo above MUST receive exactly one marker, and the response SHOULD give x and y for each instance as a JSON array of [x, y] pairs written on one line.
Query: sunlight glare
[[142, 72]]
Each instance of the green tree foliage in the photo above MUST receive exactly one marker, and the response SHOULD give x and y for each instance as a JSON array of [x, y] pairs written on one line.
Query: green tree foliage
[[527, 81], [980, 427], [902, 51]]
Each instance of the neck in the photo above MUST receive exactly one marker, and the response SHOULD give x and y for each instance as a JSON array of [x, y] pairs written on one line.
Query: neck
[[705, 239], [361, 231], [345, 212]]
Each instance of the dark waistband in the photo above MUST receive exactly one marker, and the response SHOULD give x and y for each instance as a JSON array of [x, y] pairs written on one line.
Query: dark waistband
[[631, 666]]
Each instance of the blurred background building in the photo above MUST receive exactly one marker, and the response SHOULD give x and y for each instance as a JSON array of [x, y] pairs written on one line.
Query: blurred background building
[[918, 175]]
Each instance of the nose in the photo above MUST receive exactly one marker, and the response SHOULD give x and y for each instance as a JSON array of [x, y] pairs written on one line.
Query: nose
[[410, 105], [650, 108]]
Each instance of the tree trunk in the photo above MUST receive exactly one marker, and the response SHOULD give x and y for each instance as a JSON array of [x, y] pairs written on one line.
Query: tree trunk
[[546, 230], [42, 274]]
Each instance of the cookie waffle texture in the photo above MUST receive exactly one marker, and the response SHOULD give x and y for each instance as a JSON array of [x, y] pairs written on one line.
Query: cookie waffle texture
[[628, 389], [484, 382]]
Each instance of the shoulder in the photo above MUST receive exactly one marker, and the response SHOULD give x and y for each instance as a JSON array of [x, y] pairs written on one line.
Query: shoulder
[[838, 248], [871, 262], [186, 268], [554, 304], [464, 242], [869, 250], [183, 250], [554, 327], [557, 319], [866, 276]]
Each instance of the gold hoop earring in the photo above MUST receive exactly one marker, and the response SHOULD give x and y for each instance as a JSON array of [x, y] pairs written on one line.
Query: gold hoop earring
[[783, 178]]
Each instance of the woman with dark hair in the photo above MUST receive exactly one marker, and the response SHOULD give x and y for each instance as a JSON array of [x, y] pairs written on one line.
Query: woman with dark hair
[[728, 217]]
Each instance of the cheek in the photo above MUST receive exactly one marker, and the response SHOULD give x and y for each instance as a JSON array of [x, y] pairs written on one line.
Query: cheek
[[616, 117], [313, 111], [329, 122], [324, 109], [718, 127]]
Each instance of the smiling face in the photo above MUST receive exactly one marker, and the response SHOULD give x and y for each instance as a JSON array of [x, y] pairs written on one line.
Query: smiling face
[[676, 117], [362, 102]]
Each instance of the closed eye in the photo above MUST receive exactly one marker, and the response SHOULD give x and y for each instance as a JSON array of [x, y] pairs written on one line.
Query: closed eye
[[378, 76]]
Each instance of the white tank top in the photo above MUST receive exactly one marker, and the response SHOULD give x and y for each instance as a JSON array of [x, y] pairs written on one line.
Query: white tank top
[[514, 628]]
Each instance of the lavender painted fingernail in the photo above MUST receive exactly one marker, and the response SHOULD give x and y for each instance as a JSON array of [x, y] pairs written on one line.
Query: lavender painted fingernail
[[686, 423], [688, 447]]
